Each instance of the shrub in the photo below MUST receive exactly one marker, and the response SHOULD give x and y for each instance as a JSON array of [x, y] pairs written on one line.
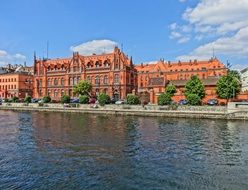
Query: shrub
[[27, 99], [194, 99], [6, 100], [164, 99], [15, 99], [133, 99], [83, 99], [65, 99], [103, 99], [46, 99]]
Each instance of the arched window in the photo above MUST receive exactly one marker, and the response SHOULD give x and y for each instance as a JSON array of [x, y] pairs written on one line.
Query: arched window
[[78, 79], [105, 79], [106, 63], [88, 65], [97, 80], [62, 81], [97, 64], [116, 79], [71, 81], [75, 80], [55, 81]]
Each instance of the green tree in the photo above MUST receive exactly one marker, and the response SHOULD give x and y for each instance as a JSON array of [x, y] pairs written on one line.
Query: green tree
[[164, 99], [235, 74], [171, 89], [27, 99], [228, 87], [133, 99], [47, 99], [15, 99], [65, 99], [84, 87], [103, 99], [194, 99], [195, 86], [83, 99]]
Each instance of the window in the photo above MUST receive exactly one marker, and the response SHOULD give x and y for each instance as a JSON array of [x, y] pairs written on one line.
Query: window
[[75, 80], [62, 81], [116, 78], [56, 82], [48, 82], [97, 64], [71, 81], [97, 80], [105, 79]]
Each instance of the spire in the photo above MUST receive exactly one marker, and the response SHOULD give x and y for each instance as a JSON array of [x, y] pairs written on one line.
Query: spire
[[34, 56]]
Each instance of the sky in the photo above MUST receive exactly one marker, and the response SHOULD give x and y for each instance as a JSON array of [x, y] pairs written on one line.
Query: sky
[[146, 30]]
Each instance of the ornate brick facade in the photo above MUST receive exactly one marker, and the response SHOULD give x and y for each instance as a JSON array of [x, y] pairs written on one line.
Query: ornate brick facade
[[112, 73], [153, 78]]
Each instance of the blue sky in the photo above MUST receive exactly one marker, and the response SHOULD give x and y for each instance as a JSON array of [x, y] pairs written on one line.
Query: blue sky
[[148, 30]]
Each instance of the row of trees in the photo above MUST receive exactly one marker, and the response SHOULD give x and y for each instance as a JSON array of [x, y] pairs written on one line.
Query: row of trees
[[227, 87]]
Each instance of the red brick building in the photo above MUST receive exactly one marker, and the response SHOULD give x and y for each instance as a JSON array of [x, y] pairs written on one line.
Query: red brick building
[[112, 73], [153, 78]]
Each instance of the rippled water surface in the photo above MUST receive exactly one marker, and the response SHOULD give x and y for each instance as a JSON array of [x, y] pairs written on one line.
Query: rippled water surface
[[77, 151]]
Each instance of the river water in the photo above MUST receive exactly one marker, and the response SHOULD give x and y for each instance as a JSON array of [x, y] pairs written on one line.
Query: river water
[[41, 150]]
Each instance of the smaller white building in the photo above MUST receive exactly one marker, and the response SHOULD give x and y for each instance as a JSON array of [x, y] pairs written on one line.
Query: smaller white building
[[244, 79]]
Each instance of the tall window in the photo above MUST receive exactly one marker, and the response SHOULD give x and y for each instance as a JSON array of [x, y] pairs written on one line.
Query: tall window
[[75, 80], [62, 81], [116, 79], [71, 81], [97, 64], [105, 79], [55, 81], [49, 82], [97, 80]]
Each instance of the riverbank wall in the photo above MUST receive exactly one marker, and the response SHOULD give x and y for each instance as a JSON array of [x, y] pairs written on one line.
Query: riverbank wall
[[210, 112]]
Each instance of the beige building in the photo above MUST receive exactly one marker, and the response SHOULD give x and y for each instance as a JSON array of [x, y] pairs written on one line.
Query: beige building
[[19, 84], [244, 79]]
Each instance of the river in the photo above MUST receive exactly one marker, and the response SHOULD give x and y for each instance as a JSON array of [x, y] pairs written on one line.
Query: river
[[40, 150]]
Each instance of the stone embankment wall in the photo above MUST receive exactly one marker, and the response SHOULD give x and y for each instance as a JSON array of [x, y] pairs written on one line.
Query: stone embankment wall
[[233, 111], [216, 112]]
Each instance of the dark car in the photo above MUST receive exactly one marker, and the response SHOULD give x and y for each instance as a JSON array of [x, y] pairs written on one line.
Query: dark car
[[212, 102], [113, 100], [92, 100], [183, 102], [34, 100], [74, 100]]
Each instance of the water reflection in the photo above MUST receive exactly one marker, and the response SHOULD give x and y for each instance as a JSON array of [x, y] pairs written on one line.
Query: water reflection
[[80, 151]]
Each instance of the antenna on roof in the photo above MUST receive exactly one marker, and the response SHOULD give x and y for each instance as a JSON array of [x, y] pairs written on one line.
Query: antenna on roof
[[213, 53], [122, 47], [47, 48]]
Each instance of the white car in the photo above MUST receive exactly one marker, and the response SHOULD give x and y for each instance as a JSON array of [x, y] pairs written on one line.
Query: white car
[[119, 102]]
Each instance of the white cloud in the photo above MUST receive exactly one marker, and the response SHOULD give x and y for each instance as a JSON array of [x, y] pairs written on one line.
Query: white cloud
[[235, 45], [183, 40], [6, 58], [20, 56], [224, 22], [223, 16], [94, 46], [182, 1], [3, 53]]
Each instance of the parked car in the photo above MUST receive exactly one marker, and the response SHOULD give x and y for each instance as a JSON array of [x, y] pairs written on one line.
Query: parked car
[[183, 102], [113, 100], [212, 102], [1, 101], [118, 102], [34, 100], [74, 100], [92, 100]]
